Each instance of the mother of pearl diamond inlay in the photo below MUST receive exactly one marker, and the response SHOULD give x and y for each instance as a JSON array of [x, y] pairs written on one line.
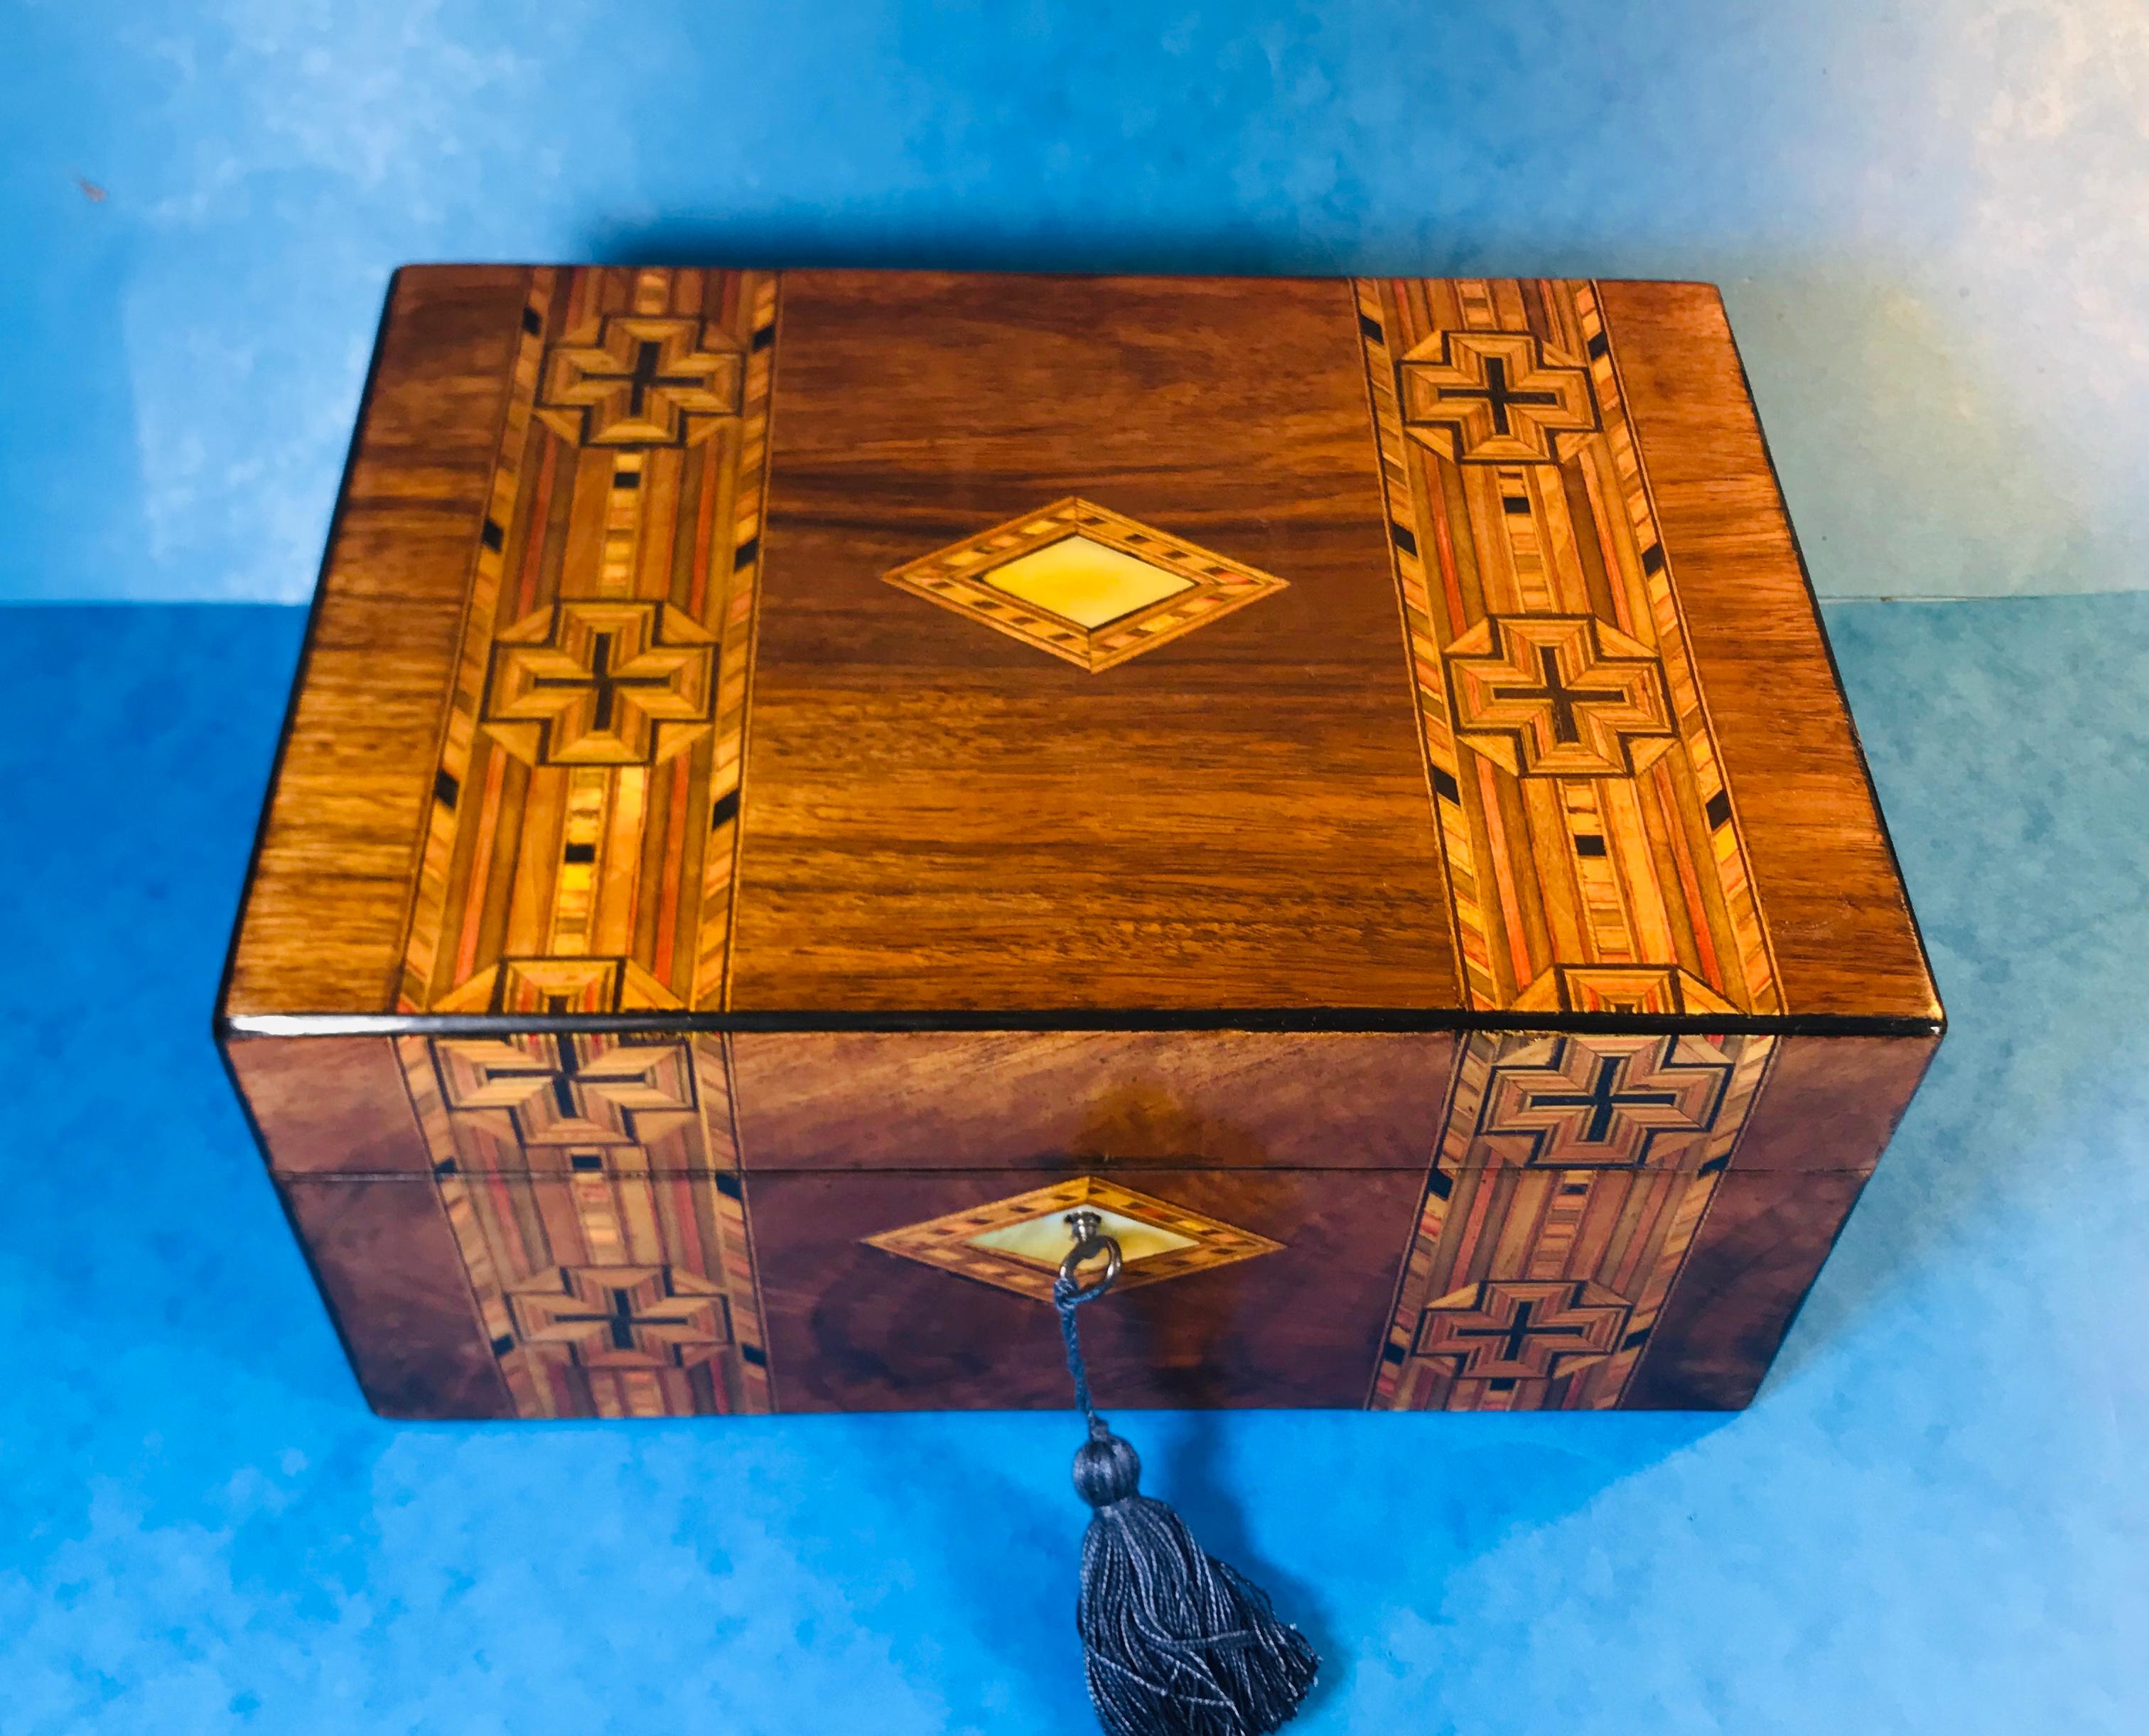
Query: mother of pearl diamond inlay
[[1084, 583], [1017, 1243]]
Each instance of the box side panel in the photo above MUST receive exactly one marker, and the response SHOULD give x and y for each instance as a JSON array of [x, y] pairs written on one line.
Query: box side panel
[[1023, 1100], [329, 1105], [387, 1261], [1255, 1287], [1831, 1105], [1160, 779], [1838, 920], [329, 895]]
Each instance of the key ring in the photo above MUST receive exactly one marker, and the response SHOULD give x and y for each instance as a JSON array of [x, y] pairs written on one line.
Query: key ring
[[1090, 1241]]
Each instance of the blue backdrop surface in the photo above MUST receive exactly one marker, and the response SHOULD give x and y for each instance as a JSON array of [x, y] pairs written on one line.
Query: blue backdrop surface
[[1926, 216], [1933, 1520]]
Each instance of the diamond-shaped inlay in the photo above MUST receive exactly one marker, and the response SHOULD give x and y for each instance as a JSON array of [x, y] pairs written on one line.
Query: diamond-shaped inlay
[[1017, 1243], [1085, 583]]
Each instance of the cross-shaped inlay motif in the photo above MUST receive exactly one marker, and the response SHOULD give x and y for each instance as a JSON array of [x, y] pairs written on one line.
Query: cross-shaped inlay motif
[[601, 683], [1522, 1329], [641, 380], [1605, 1102], [567, 1090], [1493, 397], [621, 1316], [1559, 696]]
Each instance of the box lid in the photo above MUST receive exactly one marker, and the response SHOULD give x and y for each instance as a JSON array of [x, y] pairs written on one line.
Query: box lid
[[823, 649]]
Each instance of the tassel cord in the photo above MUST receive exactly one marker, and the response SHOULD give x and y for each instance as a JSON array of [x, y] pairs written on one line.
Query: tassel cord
[[1176, 1642], [1067, 1296]]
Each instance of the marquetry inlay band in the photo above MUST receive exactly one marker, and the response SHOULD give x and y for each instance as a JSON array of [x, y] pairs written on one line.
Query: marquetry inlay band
[[581, 844], [1592, 852]]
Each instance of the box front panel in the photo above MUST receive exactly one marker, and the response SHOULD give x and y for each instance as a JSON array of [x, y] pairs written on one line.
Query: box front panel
[[592, 1187], [1570, 1179], [895, 1290], [548, 1225], [1025, 1100]]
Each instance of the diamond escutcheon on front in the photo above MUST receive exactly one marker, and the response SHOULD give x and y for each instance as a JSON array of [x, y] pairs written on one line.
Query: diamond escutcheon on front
[[1017, 1243]]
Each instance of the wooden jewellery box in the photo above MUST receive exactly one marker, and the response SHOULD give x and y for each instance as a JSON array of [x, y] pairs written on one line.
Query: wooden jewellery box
[[800, 779]]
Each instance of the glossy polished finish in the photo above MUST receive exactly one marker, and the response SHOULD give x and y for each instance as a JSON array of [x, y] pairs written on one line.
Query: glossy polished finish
[[796, 768]]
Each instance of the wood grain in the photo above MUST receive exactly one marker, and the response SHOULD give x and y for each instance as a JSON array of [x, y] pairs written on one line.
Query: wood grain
[[322, 927], [938, 817], [388, 1269], [1833, 1103], [852, 1328], [1840, 924], [1758, 1252], [329, 1105], [817, 1101]]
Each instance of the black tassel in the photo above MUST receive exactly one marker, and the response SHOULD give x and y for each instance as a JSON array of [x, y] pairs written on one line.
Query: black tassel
[[1177, 1644]]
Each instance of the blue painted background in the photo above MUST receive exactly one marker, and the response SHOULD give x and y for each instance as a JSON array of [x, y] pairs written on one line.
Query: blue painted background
[[1933, 1520], [1926, 214]]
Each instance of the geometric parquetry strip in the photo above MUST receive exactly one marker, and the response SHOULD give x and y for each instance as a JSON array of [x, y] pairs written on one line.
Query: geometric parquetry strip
[[592, 1183], [1017, 1243], [1569, 1179], [582, 835], [1591, 844]]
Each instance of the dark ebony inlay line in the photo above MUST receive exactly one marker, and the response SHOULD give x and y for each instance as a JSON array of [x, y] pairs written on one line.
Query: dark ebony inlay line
[[1497, 396]]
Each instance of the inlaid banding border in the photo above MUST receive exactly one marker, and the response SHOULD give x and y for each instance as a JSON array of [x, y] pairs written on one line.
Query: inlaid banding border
[[1502, 1214], [618, 565], [1626, 887], [648, 1210]]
